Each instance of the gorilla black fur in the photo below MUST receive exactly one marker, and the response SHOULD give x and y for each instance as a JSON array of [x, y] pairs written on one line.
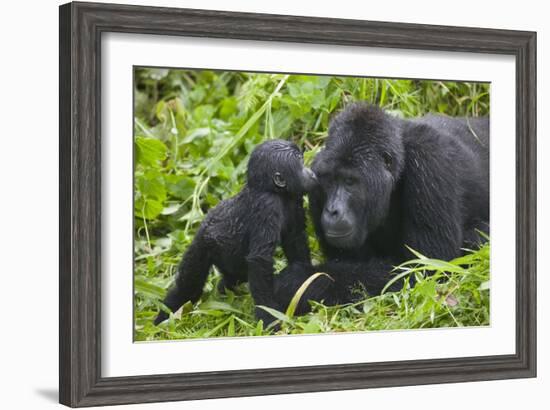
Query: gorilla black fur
[[239, 236], [384, 183]]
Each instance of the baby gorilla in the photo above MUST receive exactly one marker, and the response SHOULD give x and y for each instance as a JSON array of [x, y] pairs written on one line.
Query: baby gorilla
[[239, 236]]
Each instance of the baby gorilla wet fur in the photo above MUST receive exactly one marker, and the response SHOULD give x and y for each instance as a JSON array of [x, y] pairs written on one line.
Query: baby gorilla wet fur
[[240, 235]]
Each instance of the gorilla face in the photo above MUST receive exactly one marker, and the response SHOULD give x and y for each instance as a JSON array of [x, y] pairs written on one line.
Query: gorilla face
[[343, 216], [278, 166], [357, 172]]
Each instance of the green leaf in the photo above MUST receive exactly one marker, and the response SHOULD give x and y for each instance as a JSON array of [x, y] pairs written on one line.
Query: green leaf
[[148, 289], [228, 107], [148, 208], [151, 185], [204, 113], [435, 264], [149, 151], [415, 253], [393, 280], [196, 133], [180, 187], [171, 209], [485, 285], [313, 326], [218, 327], [159, 111], [426, 288], [231, 327], [259, 328], [215, 305], [276, 314]]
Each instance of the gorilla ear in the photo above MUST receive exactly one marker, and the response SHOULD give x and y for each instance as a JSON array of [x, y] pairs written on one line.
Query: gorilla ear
[[388, 160], [278, 180]]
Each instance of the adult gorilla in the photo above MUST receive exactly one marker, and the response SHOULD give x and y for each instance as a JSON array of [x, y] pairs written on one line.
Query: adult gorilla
[[385, 183]]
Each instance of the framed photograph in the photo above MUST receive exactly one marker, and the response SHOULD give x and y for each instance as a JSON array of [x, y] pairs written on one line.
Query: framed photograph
[[259, 204]]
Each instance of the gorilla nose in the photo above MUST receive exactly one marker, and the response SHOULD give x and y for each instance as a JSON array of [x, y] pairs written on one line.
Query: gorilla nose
[[334, 222], [334, 213]]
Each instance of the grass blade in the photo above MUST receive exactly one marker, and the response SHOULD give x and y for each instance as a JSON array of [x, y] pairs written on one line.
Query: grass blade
[[300, 292], [215, 305], [276, 314], [395, 279]]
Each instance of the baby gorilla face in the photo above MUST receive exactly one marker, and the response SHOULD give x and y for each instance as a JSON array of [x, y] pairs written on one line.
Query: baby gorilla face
[[278, 166]]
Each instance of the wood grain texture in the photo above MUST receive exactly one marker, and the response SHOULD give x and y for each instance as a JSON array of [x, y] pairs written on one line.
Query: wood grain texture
[[81, 26]]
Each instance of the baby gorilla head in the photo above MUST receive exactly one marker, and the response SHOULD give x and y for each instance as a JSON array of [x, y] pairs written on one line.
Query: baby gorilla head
[[278, 166]]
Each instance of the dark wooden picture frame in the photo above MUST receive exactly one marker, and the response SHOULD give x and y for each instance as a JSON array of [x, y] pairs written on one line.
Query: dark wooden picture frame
[[81, 27]]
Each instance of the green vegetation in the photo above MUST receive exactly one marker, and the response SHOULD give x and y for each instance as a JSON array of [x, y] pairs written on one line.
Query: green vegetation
[[194, 131]]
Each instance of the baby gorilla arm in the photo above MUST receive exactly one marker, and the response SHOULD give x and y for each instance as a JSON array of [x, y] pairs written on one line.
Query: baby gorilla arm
[[294, 241], [260, 267]]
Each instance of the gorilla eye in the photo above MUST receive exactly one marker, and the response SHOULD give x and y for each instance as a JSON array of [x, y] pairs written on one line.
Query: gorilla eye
[[349, 181], [278, 180], [387, 159]]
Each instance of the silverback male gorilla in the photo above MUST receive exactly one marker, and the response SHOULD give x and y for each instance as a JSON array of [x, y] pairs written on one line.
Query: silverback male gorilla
[[386, 183]]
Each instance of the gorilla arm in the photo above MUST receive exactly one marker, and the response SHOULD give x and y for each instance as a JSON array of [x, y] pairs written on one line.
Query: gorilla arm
[[262, 244], [294, 239], [348, 282], [432, 219]]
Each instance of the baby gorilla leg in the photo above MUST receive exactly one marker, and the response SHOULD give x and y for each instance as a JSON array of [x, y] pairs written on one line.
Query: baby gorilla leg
[[192, 273], [228, 282]]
